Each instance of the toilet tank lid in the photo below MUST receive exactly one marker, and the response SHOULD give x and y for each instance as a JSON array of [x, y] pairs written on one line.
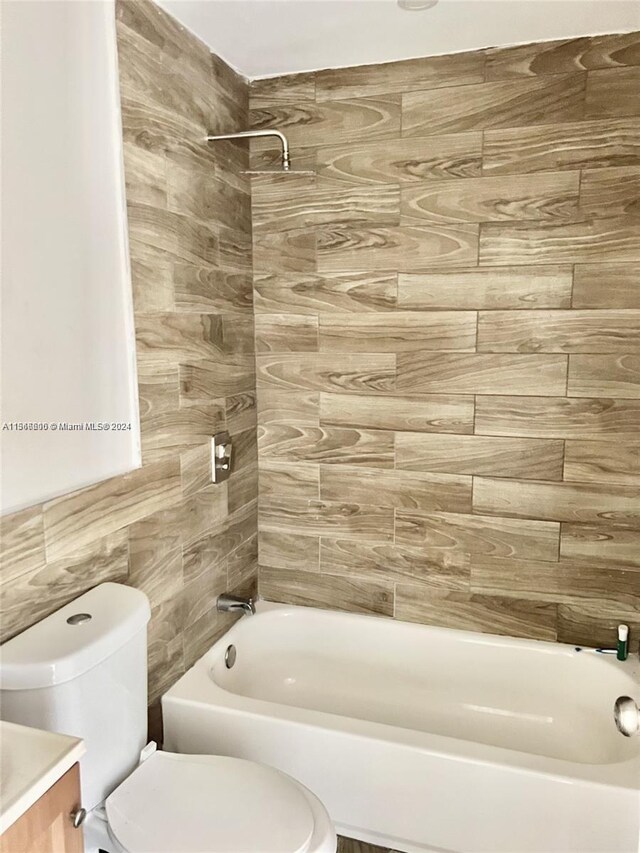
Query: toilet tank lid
[[74, 639]]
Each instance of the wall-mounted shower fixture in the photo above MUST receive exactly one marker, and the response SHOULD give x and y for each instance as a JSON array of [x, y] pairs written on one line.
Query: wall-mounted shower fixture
[[221, 451], [254, 134]]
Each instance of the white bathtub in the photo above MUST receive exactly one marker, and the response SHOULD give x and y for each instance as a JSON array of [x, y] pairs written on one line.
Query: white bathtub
[[423, 738]]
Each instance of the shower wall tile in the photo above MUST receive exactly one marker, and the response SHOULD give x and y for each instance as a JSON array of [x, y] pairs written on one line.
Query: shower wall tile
[[601, 545], [193, 469], [311, 123], [289, 551], [206, 289], [170, 433], [426, 413], [559, 57], [355, 293], [405, 161], [210, 199], [284, 251], [22, 541], [606, 286], [171, 338], [489, 288], [407, 76], [458, 536], [35, 594], [199, 636], [613, 92], [163, 132], [481, 373], [611, 239], [243, 566], [181, 237], [266, 156], [151, 277], [155, 554], [318, 202], [398, 331], [576, 502], [463, 258], [276, 405], [522, 458], [472, 612], [286, 333], [290, 480], [343, 249], [360, 372], [165, 528], [604, 375], [610, 192], [560, 582], [492, 199], [485, 106], [316, 589], [331, 445], [165, 647], [204, 380], [552, 147], [290, 88], [563, 417], [75, 520], [146, 178], [318, 518], [604, 461], [606, 331], [244, 488], [398, 489], [586, 624], [398, 563]]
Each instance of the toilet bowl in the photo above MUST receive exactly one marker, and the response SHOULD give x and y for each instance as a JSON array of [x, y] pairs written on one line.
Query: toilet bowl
[[82, 671]]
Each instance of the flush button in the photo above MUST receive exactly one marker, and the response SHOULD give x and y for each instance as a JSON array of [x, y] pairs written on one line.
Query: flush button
[[78, 618]]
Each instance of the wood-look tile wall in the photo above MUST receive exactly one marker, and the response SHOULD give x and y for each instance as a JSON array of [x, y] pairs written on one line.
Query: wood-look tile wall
[[162, 528], [448, 339]]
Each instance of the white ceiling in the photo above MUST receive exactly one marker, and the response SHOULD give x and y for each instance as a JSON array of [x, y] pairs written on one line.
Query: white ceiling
[[262, 38]]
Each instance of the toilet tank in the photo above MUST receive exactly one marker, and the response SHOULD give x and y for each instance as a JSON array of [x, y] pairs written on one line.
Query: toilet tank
[[83, 671]]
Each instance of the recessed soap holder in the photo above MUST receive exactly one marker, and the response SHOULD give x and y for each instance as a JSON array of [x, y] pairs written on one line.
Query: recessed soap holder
[[221, 452]]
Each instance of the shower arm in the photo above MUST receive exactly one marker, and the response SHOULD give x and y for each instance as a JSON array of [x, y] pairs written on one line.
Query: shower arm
[[254, 134]]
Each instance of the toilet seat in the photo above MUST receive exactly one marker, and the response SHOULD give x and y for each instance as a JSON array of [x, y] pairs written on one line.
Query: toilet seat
[[210, 804]]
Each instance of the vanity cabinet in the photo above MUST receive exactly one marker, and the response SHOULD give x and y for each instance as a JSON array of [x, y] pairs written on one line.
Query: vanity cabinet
[[47, 827]]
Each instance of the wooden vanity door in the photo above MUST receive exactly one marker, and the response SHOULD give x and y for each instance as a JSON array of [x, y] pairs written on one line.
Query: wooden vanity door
[[47, 827]]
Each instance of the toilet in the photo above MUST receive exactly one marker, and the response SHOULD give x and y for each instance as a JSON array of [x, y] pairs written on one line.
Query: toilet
[[83, 671]]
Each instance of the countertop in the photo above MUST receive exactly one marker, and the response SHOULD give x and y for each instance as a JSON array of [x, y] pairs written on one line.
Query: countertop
[[31, 761]]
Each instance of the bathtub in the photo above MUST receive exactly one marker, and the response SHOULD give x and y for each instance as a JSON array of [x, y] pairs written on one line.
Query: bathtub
[[420, 738]]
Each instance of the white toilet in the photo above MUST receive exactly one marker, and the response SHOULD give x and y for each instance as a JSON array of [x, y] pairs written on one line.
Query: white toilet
[[83, 671]]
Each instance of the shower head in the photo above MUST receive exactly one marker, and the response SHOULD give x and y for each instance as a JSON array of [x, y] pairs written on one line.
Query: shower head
[[256, 134]]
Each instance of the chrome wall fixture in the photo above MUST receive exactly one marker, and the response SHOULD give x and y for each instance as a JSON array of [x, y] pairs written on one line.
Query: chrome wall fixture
[[255, 134], [226, 603], [221, 453]]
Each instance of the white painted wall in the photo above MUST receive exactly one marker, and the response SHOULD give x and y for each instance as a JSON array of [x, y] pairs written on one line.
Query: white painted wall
[[262, 38], [68, 352]]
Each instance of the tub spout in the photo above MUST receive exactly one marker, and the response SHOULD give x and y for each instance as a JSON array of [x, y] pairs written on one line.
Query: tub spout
[[230, 603]]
